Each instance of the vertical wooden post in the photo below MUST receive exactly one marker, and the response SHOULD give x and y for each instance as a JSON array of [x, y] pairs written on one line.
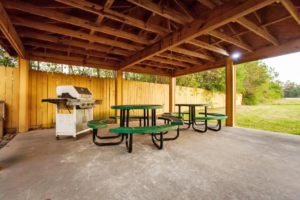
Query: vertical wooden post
[[23, 95], [172, 87], [118, 90], [230, 93]]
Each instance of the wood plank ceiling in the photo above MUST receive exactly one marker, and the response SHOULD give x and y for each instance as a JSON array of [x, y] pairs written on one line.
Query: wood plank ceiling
[[159, 37]]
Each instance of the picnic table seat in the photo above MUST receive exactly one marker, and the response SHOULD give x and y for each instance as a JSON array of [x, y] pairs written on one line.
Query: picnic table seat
[[173, 120], [176, 113], [128, 132], [97, 124], [130, 117], [211, 116]]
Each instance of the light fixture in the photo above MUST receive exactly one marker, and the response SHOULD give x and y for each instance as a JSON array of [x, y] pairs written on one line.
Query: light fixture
[[236, 56]]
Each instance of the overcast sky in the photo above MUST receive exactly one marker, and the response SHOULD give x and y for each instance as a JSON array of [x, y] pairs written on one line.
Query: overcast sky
[[287, 66]]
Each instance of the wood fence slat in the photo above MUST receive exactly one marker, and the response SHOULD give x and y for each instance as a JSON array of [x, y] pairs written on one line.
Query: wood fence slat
[[44, 96], [2, 82], [50, 92], [39, 98], [33, 99], [8, 97], [16, 91]]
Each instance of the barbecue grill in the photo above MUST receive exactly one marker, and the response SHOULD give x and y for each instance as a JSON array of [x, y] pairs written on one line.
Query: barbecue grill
[[74, 107]]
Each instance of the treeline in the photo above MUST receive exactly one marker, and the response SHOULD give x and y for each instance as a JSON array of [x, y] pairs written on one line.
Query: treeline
[[291, 89], [255, 80]]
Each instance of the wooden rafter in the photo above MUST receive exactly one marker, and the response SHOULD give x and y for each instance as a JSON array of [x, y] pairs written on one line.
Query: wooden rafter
[[69, 49], [10, 32], [142, 70], [196, 28], [200, 68], [185, 9], [80, 61], [193, 53], [292, 9], [108, 13], [208, 3], [60, 40], [75, 34], [29, 8], [208, 47], [100, 18], [163, 11], [180, 58], [224, 37], [170, 62], [159, 65], [256, 29]]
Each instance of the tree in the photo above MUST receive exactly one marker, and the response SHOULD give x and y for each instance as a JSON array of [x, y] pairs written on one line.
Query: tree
[[7, 60], [291, 89]]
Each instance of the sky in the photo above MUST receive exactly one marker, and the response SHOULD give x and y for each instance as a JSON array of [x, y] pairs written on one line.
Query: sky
[[288, 67]]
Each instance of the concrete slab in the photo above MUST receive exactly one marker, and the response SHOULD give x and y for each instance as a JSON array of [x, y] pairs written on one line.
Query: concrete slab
[[235, 163]]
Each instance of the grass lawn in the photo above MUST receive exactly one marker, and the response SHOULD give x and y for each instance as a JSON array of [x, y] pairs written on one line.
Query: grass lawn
[[280, 116]]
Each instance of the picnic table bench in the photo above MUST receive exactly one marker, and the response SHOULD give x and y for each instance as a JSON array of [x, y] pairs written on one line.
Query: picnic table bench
[[130, 117], [212, 116]]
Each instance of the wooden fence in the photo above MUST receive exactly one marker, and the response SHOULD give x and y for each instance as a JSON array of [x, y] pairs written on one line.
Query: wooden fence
[[9, 91], [43, 85]]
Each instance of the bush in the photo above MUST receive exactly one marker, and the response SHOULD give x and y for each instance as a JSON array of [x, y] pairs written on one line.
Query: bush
[[250, 99]]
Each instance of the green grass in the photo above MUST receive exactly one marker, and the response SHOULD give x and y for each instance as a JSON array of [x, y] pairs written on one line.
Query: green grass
[[283, 118]]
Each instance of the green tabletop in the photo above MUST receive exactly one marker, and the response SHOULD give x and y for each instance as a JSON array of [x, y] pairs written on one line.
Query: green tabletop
[[191, 104], [136, 107]]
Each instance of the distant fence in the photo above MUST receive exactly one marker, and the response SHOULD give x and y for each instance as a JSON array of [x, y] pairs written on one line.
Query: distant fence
[[43, 85]]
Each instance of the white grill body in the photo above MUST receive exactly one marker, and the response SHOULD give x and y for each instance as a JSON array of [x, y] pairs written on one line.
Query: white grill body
[[74, 108]]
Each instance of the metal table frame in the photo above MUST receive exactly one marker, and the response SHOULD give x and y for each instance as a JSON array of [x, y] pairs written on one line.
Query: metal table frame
[[192, 115]]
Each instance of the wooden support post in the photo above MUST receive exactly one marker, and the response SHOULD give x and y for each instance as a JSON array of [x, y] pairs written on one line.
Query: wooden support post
[[172, 87], [230, 93], [23, 95], [119, 90]]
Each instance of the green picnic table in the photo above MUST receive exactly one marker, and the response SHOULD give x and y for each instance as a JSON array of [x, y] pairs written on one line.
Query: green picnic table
[[192, 115], [126, 132]]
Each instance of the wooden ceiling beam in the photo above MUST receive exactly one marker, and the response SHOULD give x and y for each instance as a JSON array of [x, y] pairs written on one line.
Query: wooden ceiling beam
[[207, 46], [29, 8], [224, 37], [34, 57], [68, 32], [217, 18], [292, 9], [162, 11], [59, 47], [180, 58], [185, 9], [148, 71], [6, 48], [100, 18], [61, 40], [10, 32], [83, 61], [158, 65], [200, 68], [111, 14], [170, 62], [289, 47], [259, 31], [193, 53], [208, 4]]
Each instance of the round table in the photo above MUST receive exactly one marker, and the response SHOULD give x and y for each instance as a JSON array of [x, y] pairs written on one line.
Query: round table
[[192, 114], [124, 113], [124, 119]]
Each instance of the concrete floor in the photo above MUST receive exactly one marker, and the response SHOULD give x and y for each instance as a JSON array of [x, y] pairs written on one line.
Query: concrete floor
[[234, 163]]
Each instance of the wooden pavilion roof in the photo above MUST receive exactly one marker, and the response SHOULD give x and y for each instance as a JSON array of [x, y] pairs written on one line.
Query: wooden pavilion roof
[[159, 37]]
